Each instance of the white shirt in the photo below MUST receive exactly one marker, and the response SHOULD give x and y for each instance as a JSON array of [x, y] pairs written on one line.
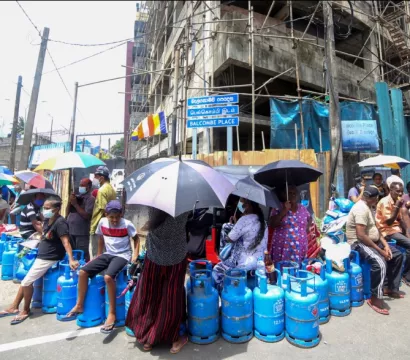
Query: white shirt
[[117, 239]]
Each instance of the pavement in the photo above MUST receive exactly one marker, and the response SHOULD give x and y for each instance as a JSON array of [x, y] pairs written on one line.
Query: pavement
[[362, 335]]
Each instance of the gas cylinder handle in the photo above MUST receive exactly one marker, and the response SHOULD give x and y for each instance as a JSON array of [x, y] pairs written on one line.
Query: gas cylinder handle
[[278, 278], [356, 258]]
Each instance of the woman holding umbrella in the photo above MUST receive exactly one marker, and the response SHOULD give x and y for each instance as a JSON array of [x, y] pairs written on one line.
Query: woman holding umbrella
[[290, 225]]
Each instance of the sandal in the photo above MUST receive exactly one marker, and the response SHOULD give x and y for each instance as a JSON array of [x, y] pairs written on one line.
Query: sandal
[[5, 313], [19, 319], [393, 294], [147, 347], [107, 329], [72, 315], [176, 350], [377, 309]]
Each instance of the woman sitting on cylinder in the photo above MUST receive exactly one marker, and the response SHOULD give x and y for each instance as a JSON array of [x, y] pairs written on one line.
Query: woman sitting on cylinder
[[248, 235], [290, 225]]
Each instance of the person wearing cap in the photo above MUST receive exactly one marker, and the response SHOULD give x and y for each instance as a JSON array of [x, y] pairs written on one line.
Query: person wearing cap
[[79, 210], [390, 215], [364, 237], [114, 233], [106, 193]]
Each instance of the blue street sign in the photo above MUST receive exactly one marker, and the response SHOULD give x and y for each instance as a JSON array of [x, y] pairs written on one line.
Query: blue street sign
[[214, 99], [215, 122], [213, 111]]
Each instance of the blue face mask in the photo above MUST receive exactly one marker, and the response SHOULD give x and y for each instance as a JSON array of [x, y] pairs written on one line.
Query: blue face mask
[[82, 190], [39, 203], [240, 207]]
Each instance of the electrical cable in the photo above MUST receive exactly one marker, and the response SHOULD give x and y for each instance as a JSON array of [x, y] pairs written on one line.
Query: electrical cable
[[86, 58]]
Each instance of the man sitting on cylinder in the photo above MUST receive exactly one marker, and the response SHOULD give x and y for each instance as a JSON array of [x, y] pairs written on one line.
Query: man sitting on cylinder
[[115, 233], [364, 237]]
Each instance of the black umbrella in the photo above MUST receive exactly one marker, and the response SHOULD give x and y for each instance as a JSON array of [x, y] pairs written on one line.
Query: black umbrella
[[27, 197], [285, 172], [249, 189]]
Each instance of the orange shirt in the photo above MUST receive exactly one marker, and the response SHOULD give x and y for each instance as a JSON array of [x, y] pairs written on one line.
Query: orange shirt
[[384, 211]]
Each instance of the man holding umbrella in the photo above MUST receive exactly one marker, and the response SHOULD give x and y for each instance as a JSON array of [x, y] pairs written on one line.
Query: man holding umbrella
[[106, 193]]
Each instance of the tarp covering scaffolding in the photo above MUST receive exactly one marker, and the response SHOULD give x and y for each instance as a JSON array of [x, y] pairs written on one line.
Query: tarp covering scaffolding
[[285, 115]]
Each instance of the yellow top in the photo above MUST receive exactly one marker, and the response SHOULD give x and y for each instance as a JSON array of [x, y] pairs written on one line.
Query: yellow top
[[106, 193]]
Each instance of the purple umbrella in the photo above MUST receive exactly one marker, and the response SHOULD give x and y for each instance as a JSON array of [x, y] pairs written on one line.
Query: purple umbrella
[[176, 186]]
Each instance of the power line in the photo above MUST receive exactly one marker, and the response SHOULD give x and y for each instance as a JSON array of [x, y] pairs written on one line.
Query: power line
[[28, 17], [86, 58], [85, 45]]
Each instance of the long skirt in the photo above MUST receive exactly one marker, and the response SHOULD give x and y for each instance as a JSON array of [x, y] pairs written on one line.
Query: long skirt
[[158, 306]]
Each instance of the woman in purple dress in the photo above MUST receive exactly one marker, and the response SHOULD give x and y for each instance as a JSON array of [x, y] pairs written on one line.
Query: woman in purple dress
[[290, 226]]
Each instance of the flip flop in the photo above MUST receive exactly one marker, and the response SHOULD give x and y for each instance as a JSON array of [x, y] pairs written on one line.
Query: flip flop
[[147, 347], [178, 349], [378, 310], [5, 313], [19, 319], [393, 295], [72, 315], [107, 329], [405, 281]]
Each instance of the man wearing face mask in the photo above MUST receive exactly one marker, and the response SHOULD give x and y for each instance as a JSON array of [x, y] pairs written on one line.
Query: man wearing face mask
[[79, 210], [106, 193], [30, 221]]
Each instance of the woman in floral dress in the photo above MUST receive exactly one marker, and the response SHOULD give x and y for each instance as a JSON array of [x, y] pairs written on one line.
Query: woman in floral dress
[[290, 226]]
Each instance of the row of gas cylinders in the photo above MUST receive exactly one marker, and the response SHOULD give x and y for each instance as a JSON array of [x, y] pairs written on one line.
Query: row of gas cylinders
[[293, 308]]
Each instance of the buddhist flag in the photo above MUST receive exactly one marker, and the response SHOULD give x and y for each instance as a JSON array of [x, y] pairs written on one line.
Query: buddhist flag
[[154, 124]]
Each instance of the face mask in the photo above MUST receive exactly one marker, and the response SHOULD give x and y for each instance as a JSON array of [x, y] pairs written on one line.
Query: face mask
[[96, 183], [48, 213], [240, 207], [39, 203], [82, 190]]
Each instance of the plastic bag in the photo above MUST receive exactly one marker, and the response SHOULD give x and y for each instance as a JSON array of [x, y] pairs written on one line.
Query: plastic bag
[[226, 251], [345, 205]]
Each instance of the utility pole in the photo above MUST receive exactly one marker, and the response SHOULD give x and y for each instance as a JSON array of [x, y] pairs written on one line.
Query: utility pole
[[334, 114], [171, 150], [28, 130], [51, 129], [73, 117], [12, 164]]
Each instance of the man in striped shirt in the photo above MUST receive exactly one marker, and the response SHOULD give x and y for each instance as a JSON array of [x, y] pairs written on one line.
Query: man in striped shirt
[[30, 221]]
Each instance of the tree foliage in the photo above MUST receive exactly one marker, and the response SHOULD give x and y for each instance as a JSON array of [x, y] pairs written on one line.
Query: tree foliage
[[118, 148], [20, 125]]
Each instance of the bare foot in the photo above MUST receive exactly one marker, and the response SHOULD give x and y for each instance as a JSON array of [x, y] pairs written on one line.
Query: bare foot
[[9, 311], [110, 319]]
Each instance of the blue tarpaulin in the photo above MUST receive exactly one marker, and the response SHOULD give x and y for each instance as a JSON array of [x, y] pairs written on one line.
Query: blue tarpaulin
[[285, 114]]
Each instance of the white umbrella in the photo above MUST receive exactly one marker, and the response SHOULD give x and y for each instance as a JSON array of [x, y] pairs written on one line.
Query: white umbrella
[[394, 162]]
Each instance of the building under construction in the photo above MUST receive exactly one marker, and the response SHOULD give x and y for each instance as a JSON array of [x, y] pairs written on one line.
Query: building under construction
[[326, 50]]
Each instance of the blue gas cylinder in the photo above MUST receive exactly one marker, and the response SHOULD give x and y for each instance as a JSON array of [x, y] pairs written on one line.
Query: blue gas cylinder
[[37, 300], [66, 292], [50, 290], [237, 308], [17, 262], [3, 240], [339, 289], [320, 284], [286, 268], [94, 309], [128, 297], [356, 281], [269, 309], [302, 312], [25, 265], [121, 284], [8, 260], [197, 265], [203, 308]]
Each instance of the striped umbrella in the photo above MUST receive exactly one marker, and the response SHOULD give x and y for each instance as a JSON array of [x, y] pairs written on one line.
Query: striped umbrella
[[393, 162], [7, 180], [176, 186], [70, 160], [33, 179]]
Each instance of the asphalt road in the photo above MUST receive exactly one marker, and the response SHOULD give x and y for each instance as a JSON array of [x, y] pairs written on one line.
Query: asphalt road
[[361, 335]]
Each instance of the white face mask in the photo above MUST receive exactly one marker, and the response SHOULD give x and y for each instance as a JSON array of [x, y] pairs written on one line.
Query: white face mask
[[96, 183], [82, 190], [47, 213]]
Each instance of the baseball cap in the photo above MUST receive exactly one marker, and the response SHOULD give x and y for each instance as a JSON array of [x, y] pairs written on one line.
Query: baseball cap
[[371, 191], [113, 205], [102, 170]]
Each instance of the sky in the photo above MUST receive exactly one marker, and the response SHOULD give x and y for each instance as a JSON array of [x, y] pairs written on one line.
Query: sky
[[101, 107]]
